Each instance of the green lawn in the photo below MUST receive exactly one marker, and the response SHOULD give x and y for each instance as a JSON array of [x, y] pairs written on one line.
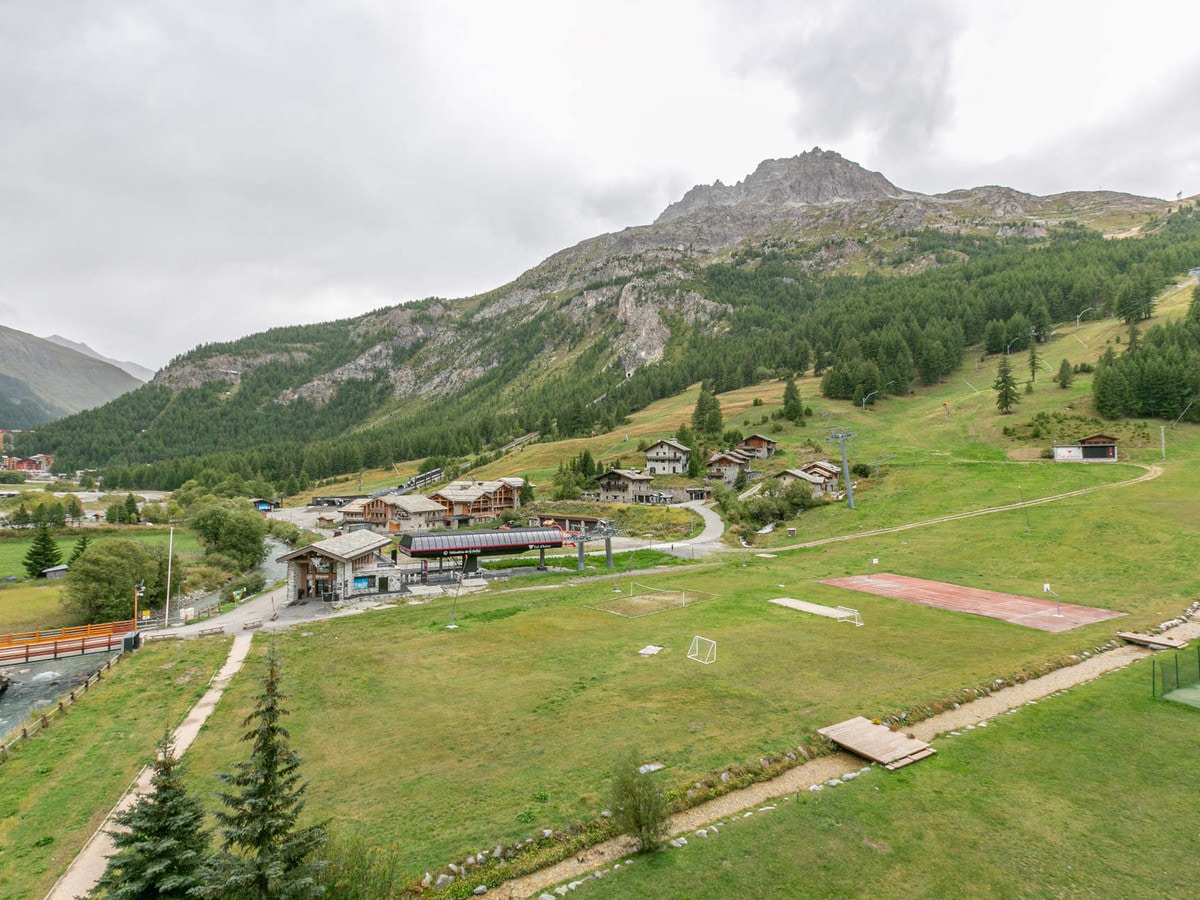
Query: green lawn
[[1088, 793], [439, 743], [31, 605], [448, 737], [457, 740], [60, 785]]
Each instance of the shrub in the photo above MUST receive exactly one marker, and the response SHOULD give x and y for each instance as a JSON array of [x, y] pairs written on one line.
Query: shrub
[[639, 808]]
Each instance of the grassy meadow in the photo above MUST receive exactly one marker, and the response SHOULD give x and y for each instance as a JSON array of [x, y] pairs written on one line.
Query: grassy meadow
[[31, 605], [1088, 793], [58, 787], [439, 743]]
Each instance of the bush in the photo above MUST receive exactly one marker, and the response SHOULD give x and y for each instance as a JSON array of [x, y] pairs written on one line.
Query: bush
[[250, 583], [638, 808]]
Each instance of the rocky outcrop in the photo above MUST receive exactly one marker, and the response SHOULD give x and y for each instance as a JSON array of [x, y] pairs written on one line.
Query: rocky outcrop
[[191, 371], [813, 178]]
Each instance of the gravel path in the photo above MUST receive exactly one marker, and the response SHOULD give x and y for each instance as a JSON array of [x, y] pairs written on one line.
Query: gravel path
[[818, 771], [85, 870]]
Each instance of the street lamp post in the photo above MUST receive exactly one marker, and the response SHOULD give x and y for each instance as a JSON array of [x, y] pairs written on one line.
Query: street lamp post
[[873, 393], [1010, 343], [1080, 316]]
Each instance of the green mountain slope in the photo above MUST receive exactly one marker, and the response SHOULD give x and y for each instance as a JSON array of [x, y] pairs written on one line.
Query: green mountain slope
[[41, 381], [809, 263]]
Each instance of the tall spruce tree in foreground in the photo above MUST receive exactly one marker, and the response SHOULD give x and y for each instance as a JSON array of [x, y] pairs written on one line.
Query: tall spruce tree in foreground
[[42, 553], [264, 854], [1006, 387], [161, 843]]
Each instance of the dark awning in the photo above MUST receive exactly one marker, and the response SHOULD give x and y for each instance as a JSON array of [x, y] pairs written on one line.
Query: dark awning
[[498, 542]]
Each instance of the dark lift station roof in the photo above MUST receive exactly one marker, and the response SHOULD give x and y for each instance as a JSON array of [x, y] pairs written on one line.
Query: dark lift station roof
[[473, 544]]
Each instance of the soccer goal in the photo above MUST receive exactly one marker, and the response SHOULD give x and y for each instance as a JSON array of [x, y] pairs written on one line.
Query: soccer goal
[[703, 650], [846, 614]]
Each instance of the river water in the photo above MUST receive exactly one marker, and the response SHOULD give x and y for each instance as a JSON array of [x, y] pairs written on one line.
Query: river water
[[39, 685]]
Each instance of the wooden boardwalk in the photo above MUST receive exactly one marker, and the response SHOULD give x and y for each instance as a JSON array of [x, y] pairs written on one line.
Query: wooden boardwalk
[[878, 743], [1152, 640]]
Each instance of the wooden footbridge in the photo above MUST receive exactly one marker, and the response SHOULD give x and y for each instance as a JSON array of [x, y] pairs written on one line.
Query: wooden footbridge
[[30, 646]]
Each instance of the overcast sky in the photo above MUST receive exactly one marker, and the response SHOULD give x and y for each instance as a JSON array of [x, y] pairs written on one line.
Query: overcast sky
[[176, 172]]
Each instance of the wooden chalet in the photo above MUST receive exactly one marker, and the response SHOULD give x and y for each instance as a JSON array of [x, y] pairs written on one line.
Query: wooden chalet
[[469, 502], [814, 481], [400, 513], [826, 471], [758, 446], [668, 457], [727, 464]]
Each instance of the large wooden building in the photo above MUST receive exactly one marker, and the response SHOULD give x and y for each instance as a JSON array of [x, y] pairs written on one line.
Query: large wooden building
[[471, 502]]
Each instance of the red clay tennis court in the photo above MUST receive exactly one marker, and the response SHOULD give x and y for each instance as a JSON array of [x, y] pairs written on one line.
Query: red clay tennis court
[[1044, 615]]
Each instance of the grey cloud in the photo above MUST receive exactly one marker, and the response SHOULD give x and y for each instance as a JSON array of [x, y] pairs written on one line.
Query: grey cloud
[[861, 67]]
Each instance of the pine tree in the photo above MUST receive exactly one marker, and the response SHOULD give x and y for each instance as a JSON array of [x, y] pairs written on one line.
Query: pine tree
[[264, 854], [1033, 360], [1065, 374], [1006, 387], [162, 842], [42, 553], [81, 544], [793, 408]]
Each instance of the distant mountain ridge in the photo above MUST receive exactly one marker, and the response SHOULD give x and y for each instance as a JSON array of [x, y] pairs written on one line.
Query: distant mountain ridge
[[141, 373], [41, 381]]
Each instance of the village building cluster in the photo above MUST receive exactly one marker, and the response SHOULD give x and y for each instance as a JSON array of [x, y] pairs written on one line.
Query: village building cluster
[[38, 464]]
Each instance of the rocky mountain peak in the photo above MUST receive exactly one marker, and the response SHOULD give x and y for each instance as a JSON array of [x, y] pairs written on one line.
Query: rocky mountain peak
[[812, 178]]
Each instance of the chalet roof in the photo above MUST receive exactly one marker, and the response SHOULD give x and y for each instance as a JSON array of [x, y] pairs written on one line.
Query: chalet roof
[[354, 507], [412, 503], [822, 465], [343, 548], [810, 477], [1098, 439], [761, 437], [670, 442], [628, 475], [734, 456], [470, 491]]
